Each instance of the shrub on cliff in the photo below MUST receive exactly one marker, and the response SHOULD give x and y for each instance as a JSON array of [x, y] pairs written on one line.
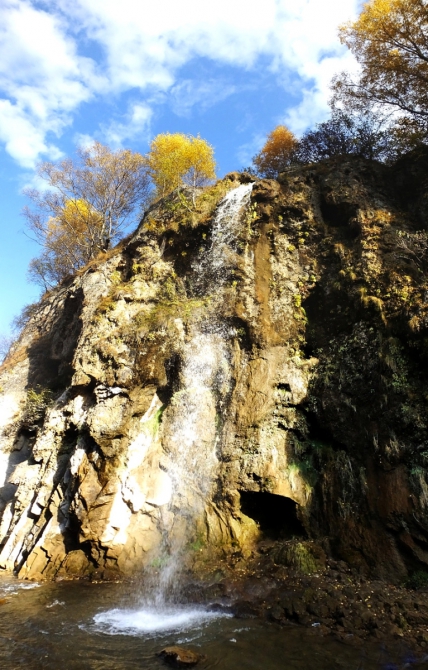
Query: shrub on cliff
[[37, 402], [361, 135], [177, 160]]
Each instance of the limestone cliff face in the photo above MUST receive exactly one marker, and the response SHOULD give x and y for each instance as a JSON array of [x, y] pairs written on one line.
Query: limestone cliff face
[[166, 392]]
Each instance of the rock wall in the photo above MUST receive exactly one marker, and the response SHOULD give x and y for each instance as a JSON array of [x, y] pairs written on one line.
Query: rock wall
[[314, 421]]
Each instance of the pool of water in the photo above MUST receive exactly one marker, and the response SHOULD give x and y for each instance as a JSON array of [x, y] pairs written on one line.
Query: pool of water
[[74, 626]]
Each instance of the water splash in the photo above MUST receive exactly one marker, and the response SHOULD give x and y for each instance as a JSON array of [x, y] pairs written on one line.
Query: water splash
[[153, 621]]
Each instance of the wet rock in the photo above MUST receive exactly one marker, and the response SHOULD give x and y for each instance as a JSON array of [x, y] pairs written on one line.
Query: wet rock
[[276, 614], [180, 657], [245, 609]]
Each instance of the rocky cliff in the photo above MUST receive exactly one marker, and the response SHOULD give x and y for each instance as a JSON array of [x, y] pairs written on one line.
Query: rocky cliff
[[196, 389]]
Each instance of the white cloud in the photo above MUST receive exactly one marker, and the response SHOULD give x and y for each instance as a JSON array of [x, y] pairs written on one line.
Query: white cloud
[[42, 78], [136, 123], [84, 140], [45, 77], [188, 93], [313, 107]]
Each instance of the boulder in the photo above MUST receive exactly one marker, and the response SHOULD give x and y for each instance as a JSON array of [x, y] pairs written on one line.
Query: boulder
[[179, 657]]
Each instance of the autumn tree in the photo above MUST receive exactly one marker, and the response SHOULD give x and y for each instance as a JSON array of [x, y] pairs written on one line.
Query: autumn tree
[[390, 42], [84, 209], [67, 244], [277, 153], [177, 160]]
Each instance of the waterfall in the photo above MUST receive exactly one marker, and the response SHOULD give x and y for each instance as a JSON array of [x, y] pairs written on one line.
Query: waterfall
[[190, 421], [190, 433], [214, 270]]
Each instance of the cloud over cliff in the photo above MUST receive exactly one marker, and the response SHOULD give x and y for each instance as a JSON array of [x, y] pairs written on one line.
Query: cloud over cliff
[[57, 56]]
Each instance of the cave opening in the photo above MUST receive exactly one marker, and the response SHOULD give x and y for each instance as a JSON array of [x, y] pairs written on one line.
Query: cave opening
[[338, 214], [275, 515]]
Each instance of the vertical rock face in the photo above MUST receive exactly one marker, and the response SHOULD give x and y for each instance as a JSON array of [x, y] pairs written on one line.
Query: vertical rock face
[[213, 380]]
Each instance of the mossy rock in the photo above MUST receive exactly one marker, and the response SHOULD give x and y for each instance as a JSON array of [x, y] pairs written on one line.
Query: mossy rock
[[302, 557], [418, 581]]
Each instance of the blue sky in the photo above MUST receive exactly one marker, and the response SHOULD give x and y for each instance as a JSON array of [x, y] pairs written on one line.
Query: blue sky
[[121, 72]]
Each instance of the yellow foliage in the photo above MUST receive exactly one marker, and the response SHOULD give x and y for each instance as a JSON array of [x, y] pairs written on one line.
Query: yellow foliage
[[77, 218], [176, 159], [277, 152], [82, 213], [390, 41]]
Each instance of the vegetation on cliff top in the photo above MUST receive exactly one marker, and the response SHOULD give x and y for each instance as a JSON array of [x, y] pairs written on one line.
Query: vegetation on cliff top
[[175, 160], [89, 201], [86, 206], [390, 42], [380, 113]]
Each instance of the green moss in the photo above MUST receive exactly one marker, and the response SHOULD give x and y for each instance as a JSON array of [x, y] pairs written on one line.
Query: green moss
[[152, 425], [115, 277], [297, 556], [107, 304], [322, 450], [418, 580], [159, 562], [164, 312], [197, 544], [37, 402], [305, 470]]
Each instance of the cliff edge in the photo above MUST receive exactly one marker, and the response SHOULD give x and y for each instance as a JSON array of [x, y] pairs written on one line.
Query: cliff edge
[[216, 390]]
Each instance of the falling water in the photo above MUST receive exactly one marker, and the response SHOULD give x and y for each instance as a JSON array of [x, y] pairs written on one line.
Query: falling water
[[205, 378], [191, 438], [190, 435], [214, 270]]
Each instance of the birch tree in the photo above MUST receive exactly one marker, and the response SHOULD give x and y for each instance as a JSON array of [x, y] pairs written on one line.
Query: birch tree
[[85, 207], [176, 160], [277, 153]]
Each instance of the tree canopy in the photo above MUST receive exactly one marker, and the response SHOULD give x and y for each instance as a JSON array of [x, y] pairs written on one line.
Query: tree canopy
[[67, 243], [277, 153], [390, 42], [84, 209], [352, 134], [176, 159]]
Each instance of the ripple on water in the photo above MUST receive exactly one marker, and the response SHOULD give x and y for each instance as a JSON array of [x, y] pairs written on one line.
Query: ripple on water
[[153, 621], [15, 587]]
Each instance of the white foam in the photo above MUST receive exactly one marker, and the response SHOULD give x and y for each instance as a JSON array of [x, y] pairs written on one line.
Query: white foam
[[30, 586], [151, 621], [12, 589]]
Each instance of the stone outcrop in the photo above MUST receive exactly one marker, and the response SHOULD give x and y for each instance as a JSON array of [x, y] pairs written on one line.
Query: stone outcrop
[[179, 657], [312, 415]]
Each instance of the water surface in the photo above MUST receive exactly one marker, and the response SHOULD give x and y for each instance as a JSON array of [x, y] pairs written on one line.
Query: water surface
[[74, 626]]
